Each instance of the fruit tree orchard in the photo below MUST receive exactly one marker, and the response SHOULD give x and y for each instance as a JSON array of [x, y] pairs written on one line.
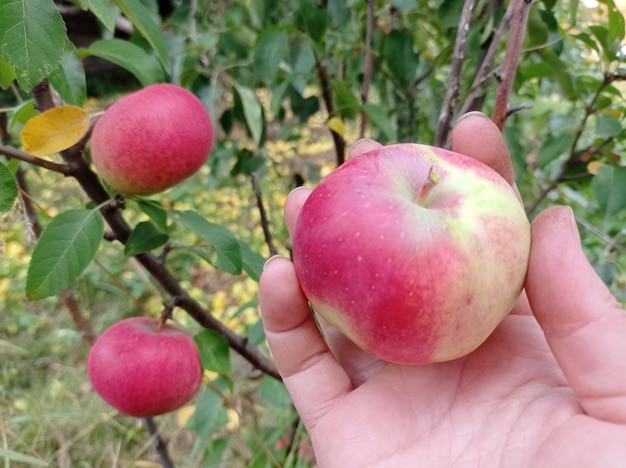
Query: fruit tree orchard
[[288, 85]]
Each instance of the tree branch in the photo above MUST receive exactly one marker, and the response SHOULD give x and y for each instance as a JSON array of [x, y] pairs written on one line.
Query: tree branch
[[485, 71], [454, 80], [79, 169], [265, 224], [327, 96], [519, 18], [368, 65], [34, 160]]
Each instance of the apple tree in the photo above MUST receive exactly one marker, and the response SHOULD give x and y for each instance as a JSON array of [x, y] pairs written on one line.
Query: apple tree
[[288, 85]]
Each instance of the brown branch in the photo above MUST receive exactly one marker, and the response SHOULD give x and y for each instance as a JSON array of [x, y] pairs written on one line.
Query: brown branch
[[78, 168], [519, 18], [485, 71], [83, 325], [33, 160], [454, 80], [265, 224], [368, 65], [327, 96]]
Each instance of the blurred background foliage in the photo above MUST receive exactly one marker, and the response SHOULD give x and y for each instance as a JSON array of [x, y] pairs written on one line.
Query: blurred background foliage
[[290, 85]]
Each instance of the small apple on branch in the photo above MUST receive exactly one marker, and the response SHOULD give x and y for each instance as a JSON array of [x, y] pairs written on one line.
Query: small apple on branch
[[144, 367]]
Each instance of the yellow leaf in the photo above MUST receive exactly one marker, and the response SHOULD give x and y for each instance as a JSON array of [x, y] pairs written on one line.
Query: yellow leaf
[[183, 415], [593, 167], [54, 130], [336, 125]]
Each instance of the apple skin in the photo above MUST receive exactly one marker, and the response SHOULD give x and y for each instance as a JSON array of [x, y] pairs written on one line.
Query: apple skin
[[414, 253], [142, 371], [151, 140]]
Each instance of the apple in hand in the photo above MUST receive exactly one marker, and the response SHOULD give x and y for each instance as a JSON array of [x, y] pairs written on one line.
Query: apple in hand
[[414, 253], [151, 140], [143, 370]]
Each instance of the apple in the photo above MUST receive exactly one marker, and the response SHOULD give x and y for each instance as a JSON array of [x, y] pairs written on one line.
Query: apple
[[415, 253], [151, 140], [144, 369]]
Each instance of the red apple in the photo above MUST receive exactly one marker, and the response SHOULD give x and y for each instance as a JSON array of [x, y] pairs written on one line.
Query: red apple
[[142, 370], [151, 140], [414, 253]]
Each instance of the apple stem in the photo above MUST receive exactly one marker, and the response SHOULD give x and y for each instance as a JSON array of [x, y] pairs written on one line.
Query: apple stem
[[166, 314], [431, 181]]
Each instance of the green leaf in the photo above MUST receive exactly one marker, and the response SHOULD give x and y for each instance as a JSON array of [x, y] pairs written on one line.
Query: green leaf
[[225, 244], [215, 354], [313, 18], [69, 79], [607, 126], [609, 189], [210, 415], [269, 52], [252, 261], [21, 458], [142, 20], [7, 73], [616, 24], [105, 11], [554, 146], [404, 4], [144, 238], [380, 118], [21, 115], [129, 56], [66, 246], [400, 56], [252, 111], [339, 13], [32, 39], [346, 102], [155, 211], [8, 188]]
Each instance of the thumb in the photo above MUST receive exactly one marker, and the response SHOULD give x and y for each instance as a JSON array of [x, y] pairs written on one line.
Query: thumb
[[582, 321]]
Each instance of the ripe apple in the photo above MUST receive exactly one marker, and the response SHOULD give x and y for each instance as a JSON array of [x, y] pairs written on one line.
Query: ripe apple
[[415, 253], [151, 140], [142, 370]]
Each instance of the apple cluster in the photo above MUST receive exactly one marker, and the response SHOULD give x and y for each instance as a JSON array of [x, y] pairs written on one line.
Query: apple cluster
[[415, 253]]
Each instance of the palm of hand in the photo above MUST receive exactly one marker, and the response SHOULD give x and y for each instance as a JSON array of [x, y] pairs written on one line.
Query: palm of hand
[[481, 410]]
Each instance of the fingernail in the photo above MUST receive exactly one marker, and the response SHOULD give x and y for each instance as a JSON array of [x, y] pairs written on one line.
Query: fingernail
[[300, 187], [472, 114], [271, 259], [359, 142]]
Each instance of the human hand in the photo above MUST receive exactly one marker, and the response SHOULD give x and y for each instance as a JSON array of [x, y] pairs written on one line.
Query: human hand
[[547, 388]]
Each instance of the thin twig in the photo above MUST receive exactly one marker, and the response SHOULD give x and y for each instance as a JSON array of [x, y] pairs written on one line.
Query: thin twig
[[368, 65], [454, 80], [486, 71], [83, 325], [519, 18], [327, 96], [159, 444], [265, 224], [34, 160]]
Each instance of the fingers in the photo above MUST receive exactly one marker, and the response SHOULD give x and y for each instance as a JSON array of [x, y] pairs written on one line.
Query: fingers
[[475, 135], [311, 374], [296, 198], [582, 321], [362, 146], [292, 208]]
